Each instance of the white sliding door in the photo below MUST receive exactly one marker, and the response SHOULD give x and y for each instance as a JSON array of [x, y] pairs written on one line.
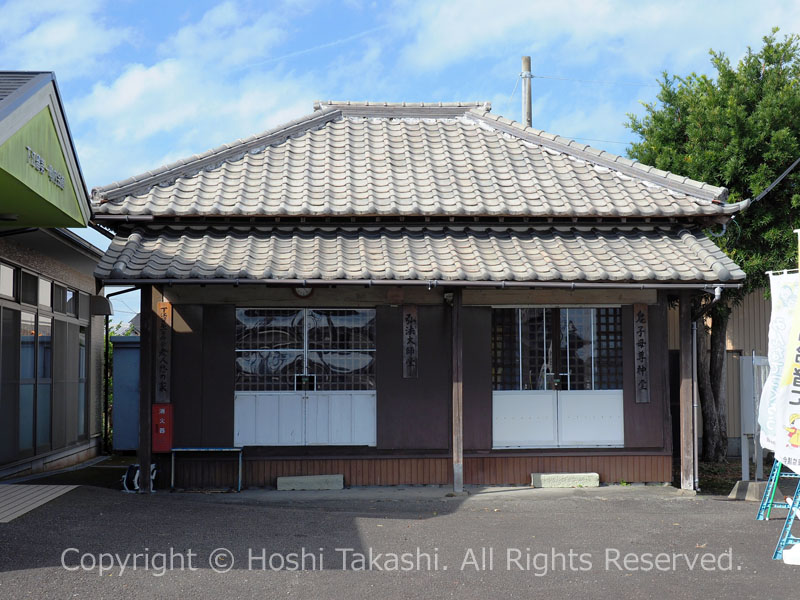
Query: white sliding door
[[590, 418], [524, 419], [304, 418]]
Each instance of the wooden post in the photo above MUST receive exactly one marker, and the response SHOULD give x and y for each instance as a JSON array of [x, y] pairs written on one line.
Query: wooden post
[[686, 408], [146, 387], [458, 395], [526, 91]]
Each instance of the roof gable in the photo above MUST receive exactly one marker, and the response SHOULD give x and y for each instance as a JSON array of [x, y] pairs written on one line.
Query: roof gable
[[31, 109]]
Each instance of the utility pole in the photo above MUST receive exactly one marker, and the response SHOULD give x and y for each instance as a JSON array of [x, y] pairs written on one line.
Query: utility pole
[[526, 90]]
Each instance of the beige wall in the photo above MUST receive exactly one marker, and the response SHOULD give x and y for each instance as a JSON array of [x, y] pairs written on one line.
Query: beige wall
[[49, 266], [749, 324]]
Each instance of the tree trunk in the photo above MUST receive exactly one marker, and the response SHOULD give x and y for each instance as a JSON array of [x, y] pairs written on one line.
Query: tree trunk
[[718, 374], [711, 375]]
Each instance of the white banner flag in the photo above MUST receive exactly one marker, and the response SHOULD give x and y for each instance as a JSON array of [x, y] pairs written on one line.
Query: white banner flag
[[779, 409]]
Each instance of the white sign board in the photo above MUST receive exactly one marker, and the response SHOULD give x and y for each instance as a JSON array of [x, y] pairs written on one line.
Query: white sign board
[[779, 409]]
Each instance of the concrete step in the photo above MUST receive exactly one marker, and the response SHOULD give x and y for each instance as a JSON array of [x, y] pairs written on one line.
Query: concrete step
[[564, 480], [311, 482]]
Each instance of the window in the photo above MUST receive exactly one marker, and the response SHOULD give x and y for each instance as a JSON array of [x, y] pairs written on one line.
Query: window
[[8, 281], [341, 348], [45, 293], [83, 306], [82, 358], [591, 348], [71, 307], [27, 379], [585, 343], [269, 348], [281, 349], [44, 382], [29, 285], [608, 349], [522, 348], [43, 363], [59, 298]]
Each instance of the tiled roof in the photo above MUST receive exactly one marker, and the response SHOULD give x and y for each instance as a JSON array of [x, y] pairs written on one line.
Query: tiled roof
[[440, 254], [445, 160]]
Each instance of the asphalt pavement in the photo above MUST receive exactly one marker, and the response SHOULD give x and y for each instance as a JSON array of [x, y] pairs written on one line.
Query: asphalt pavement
[[410, 542]]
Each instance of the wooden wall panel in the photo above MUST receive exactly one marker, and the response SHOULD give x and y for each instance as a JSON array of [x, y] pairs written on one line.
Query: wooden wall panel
[[647, 424], [344, 296], [219, 354], [413, 413], [556, 296], [197, 471], [477, 326], [187, 383]]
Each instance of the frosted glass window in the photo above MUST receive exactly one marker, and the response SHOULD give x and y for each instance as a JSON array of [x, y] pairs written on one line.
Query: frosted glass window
[[7, 281], [45, 293]]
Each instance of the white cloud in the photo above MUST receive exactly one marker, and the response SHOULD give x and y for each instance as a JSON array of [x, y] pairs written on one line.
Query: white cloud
[[190, 99], [639, 38], [226, 36], [69, 38], [222, 75]]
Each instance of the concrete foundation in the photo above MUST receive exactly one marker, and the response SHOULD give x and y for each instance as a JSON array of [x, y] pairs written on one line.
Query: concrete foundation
[[751, 491], [311, 482], [564, 480]]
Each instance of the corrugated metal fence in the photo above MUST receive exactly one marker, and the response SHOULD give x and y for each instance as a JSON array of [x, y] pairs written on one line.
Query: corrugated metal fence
[[747, 331]]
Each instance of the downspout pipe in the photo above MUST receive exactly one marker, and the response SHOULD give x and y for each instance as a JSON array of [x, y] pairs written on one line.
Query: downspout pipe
[[695, 407]]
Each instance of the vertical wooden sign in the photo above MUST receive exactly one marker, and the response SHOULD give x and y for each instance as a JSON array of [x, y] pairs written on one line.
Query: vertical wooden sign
[[410, 341], [163, 352], [641, 353]]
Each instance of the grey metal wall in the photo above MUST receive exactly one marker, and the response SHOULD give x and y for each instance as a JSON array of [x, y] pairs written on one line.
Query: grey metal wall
[[125, 409]]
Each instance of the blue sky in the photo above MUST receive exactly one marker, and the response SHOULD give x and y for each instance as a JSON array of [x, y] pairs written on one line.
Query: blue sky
[[145, 83]]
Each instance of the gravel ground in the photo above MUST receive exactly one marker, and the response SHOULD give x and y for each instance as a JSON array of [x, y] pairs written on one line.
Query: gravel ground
[[608, 542]]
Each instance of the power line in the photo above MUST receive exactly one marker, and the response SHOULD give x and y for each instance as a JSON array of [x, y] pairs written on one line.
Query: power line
[[597, 140], [595, 81], [777, 181]]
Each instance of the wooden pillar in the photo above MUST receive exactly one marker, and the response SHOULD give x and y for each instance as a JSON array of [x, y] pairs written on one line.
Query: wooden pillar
[[146, 383], [686, 409], [458, 395]]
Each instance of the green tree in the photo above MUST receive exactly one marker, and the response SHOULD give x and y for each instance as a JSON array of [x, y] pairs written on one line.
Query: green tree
[[739, 129]]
